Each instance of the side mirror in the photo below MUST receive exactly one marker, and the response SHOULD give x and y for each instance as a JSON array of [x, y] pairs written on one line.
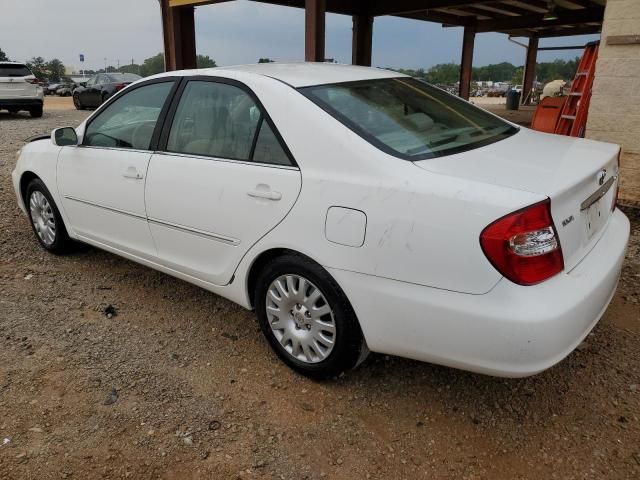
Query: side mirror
[[64, 137]]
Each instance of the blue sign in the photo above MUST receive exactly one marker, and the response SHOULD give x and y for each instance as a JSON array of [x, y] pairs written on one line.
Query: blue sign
[[82, 57]]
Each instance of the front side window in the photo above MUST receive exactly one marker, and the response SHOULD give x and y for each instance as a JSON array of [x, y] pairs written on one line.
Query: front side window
[[409, 118], [129, 121], [221, 120]]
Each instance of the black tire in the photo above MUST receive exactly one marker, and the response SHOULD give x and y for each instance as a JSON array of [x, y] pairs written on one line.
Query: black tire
[[62, 243], [105, 97], [77, 103], [36, 112], [349, 347]]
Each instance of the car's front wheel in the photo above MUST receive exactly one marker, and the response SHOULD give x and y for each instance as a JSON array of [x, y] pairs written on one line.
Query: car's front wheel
[[307, 318], [46, 221]]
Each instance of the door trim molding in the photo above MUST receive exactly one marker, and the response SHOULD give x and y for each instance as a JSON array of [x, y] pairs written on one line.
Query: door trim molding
[[104, 207], [202, 233]]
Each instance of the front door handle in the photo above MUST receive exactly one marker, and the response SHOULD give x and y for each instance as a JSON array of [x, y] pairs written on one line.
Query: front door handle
[[131, 172], [267, 194]]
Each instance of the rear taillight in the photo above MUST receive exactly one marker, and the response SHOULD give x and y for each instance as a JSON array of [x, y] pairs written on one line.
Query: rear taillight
[[524, 245], [120, 86], [33, 81]]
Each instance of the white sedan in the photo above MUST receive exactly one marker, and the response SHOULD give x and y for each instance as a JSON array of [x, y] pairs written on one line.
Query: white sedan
[[354, 209]]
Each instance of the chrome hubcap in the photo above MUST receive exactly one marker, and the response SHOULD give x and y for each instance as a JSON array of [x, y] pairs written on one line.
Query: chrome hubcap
[[301, 318], [42, 217]]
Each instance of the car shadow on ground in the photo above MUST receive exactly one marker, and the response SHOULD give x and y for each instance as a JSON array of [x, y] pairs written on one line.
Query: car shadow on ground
[[6, 116]]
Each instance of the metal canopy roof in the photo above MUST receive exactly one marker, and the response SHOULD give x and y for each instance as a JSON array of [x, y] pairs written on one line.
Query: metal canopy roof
[[513, 17]]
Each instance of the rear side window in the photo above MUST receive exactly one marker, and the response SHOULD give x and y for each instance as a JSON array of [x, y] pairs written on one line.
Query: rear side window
[[130, 120], [409, 118], [268, 148], [14, 70], [221, 120]]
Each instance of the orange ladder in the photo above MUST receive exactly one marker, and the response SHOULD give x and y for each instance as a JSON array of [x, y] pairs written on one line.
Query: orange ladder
[[573, 119]]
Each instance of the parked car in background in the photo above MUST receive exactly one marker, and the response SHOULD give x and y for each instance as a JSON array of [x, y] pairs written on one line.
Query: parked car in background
[[100, 87], [354, 209], [66, 89], [51, 88], [497, 91], [19, 89]]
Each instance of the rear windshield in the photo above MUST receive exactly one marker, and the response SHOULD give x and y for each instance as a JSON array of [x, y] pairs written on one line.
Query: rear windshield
[[14, 70], [124, 77], [409, 118]]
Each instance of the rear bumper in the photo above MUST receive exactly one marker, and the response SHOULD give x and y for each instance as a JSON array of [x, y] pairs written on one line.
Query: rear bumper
[[21, 102], [512, 331]]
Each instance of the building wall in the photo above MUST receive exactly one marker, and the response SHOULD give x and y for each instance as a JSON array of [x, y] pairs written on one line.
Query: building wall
[[614, 114]]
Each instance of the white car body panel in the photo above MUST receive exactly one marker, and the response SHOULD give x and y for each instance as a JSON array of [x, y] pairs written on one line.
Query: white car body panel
[[311, 74], [87, 180], [414, 272], [512, 331], [208, 239], [563, 168]]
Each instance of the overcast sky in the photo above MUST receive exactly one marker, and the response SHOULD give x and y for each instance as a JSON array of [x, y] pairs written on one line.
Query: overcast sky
[[231, 33]]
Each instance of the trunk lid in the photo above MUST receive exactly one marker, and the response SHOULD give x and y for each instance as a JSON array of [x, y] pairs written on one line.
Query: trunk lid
[[578, 175], [14, 81]]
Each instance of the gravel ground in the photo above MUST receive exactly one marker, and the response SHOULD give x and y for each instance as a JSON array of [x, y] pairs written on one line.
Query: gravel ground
[[179, 383]]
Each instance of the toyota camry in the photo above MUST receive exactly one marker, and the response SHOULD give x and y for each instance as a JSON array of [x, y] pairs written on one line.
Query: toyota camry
[[354, 209]]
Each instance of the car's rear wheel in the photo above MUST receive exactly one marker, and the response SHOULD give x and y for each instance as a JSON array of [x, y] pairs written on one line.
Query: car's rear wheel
[[105, 97], [77, 103], [307, 318], [46, 221], [36, 112]]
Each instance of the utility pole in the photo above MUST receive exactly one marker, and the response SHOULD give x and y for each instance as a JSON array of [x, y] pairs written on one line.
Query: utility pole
[[105, 64]]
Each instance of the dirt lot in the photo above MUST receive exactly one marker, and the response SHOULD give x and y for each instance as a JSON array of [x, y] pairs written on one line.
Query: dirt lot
[[181, 384]]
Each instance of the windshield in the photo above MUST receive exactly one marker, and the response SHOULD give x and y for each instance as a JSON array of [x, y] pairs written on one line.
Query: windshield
[[409, 118]]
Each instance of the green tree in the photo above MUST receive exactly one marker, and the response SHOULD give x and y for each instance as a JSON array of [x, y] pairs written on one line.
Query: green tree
[[517, 76], [38, 67], [55, 70], [443, 73], [449, 73], [3, 56], [265, 60], [131, 68], [557, 70], [152, 65], [497, 72], [204, 61]]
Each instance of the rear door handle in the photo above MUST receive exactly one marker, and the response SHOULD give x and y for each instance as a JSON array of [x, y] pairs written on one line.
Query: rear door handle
[[267, 194], [131, 172]]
